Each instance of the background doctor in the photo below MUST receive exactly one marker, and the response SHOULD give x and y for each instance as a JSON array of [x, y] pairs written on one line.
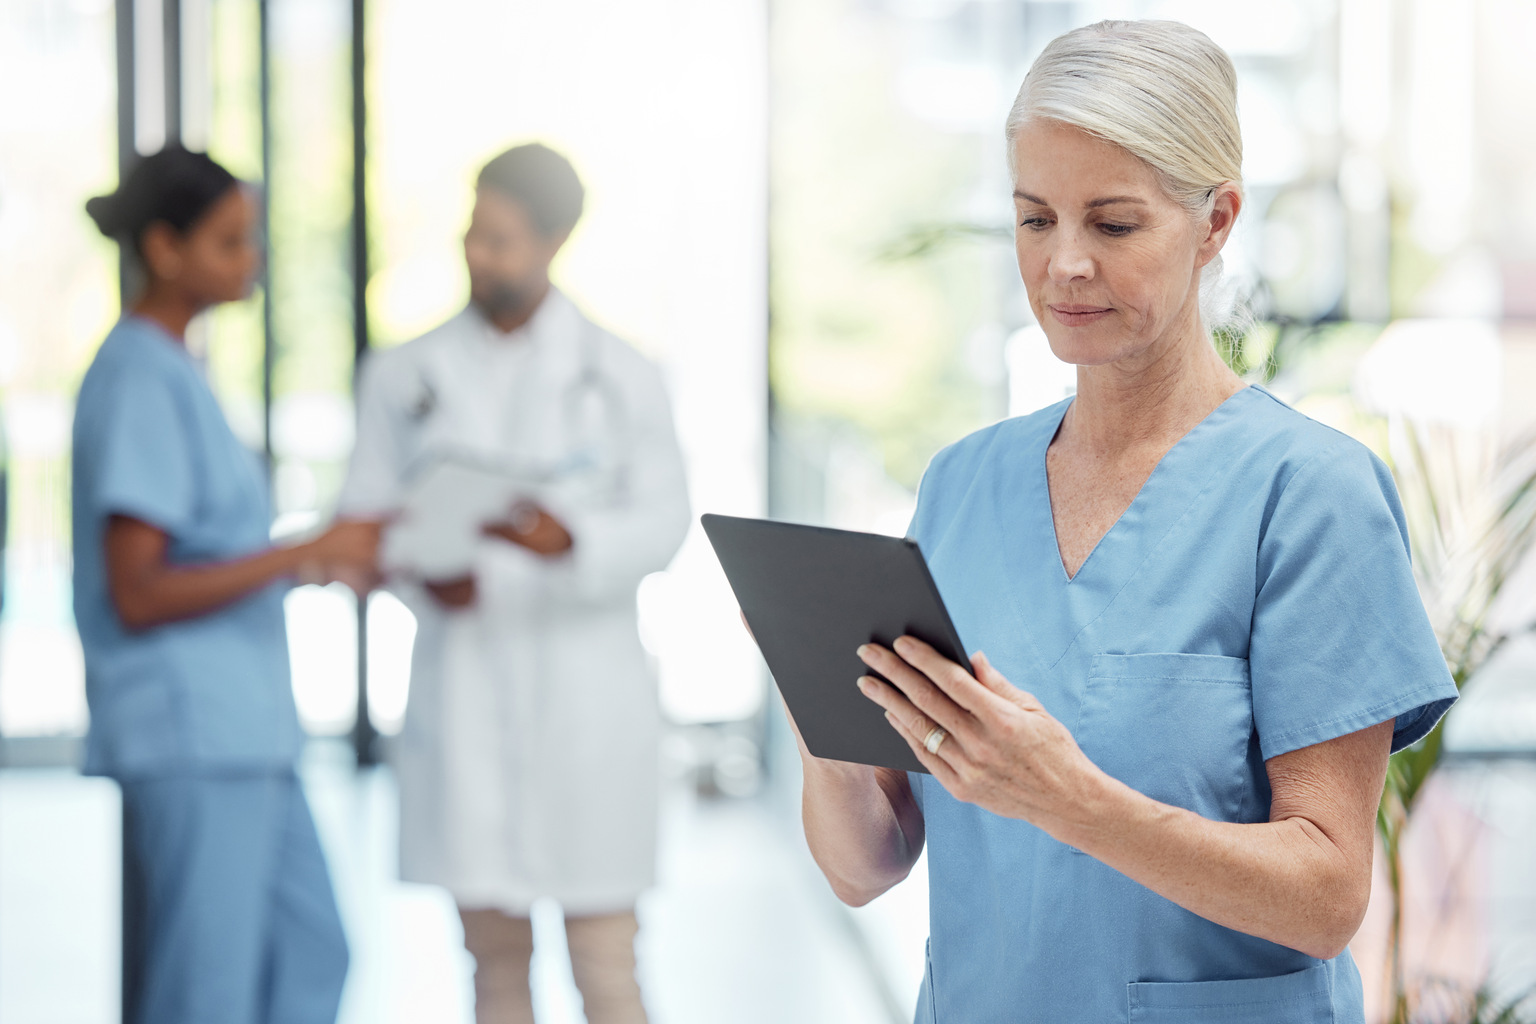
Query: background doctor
[[528, 759]]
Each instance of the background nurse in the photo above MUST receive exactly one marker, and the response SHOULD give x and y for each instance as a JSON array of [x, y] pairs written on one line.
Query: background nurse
[[179, 600]]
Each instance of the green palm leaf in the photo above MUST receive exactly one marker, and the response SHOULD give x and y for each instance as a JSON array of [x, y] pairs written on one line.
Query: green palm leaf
[[1471, 513]]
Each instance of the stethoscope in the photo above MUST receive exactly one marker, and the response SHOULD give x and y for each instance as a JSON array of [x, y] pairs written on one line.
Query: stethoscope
[[593, 417]]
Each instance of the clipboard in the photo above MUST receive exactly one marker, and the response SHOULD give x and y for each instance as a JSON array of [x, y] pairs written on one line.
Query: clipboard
[[812, 595], [435, 533]]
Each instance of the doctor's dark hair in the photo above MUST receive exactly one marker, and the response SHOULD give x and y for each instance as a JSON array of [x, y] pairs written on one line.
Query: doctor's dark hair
[[174, 187], [543, 181]]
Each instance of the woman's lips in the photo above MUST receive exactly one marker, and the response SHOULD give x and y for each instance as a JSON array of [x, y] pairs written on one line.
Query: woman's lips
[[1075, 315]]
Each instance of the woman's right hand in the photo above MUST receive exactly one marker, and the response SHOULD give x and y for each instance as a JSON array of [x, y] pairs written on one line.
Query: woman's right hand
[[348, 551], [352, 542]]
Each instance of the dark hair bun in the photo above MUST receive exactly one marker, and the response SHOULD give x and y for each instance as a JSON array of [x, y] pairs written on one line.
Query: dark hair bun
[[103, 211], [174, 186]]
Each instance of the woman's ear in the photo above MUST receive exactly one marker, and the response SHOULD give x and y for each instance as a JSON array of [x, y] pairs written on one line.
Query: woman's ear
[[161, 248], [1225, 206]]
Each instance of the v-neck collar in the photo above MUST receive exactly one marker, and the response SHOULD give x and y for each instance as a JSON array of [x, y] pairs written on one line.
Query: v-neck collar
[[1212, 418], [1063, 607]]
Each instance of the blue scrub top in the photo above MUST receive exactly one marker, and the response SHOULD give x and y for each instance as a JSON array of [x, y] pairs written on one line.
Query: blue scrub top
[[209, 693], [1255, 598]]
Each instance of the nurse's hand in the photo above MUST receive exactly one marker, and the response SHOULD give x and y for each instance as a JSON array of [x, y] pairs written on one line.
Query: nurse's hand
[[454, 593], [347, 553], [1003, 751], [346, 542]]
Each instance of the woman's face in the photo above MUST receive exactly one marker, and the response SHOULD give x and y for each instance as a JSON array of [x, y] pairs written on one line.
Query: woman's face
[[1111, 263], [217, 259]]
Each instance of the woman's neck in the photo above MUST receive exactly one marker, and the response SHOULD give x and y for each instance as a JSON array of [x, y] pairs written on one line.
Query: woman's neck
[[1152, 400], [170, 310]]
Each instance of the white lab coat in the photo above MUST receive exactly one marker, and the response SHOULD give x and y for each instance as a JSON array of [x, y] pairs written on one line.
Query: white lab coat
[[528, 762]]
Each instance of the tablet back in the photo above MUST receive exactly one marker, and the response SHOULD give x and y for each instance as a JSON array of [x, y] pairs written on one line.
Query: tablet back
[[812, 595]]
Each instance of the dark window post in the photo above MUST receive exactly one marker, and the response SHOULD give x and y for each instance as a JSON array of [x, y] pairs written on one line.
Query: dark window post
[[132, 882], [127, 128], [171, 23], [364, 735]]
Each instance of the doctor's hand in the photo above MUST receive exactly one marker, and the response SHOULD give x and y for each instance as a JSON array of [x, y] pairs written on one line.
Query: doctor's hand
[[1001, 751], [454, 593], [532, 527]]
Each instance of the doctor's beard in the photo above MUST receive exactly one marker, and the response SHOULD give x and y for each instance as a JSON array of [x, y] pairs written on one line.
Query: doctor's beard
[[503, 298]]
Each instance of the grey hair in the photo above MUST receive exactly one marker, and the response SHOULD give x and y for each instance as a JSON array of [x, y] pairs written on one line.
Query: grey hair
[[1160, 90]]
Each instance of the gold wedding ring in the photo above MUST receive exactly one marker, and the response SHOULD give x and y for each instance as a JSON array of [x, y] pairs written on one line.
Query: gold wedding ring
[[935, 737]]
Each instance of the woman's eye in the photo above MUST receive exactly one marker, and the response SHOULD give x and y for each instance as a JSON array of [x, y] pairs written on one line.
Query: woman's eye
[[1033, 223], [1117, 229]]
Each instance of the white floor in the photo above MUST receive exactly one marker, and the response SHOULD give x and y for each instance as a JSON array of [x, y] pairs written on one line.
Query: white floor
[[741, 927]]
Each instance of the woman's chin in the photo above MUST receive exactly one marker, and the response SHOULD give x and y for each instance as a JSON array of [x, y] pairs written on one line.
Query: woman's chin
[[1082, 348]]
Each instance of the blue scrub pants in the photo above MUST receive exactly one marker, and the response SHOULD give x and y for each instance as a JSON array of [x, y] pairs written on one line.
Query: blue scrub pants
[[241, 924]]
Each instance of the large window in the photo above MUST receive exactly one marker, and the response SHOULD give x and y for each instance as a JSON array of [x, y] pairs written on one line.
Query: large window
[[58, 297]]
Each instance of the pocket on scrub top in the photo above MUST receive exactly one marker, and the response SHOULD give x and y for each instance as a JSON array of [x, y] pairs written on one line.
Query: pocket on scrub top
[[1175, 727], [1300, 998]]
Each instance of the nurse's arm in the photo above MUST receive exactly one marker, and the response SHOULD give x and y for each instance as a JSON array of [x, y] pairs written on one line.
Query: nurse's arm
[[1302, 879], [149, 590], [863, 824]]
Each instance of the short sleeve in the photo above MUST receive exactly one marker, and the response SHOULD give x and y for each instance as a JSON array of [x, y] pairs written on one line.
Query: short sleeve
[[146, 467], [1340, 637]]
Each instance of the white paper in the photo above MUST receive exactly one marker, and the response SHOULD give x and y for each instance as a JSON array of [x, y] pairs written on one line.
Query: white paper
[[439, 525]]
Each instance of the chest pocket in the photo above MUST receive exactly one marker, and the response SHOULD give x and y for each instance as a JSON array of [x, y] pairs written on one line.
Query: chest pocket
[[1175, 727]]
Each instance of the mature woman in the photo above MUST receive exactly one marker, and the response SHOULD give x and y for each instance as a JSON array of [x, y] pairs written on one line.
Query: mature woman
[[179, 601], [1152, 800]]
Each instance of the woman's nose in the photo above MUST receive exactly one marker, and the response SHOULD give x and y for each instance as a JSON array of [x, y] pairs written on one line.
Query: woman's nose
[[1070, 259]]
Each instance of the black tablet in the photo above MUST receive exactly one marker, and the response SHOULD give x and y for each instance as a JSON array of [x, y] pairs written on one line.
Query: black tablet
[[812, 595]]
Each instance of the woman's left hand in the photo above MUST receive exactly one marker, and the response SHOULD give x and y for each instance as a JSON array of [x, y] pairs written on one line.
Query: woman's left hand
[[1003, 752]]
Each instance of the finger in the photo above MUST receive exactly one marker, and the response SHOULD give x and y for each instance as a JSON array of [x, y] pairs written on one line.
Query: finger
[[957, 683], [893, 702], [937, 764], [918, 688], [914, 723], [998, 683]]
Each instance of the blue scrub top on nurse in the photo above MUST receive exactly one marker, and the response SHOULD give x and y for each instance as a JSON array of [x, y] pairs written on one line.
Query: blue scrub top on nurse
[[1153, 798], [1255, 598], [178, 597]]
